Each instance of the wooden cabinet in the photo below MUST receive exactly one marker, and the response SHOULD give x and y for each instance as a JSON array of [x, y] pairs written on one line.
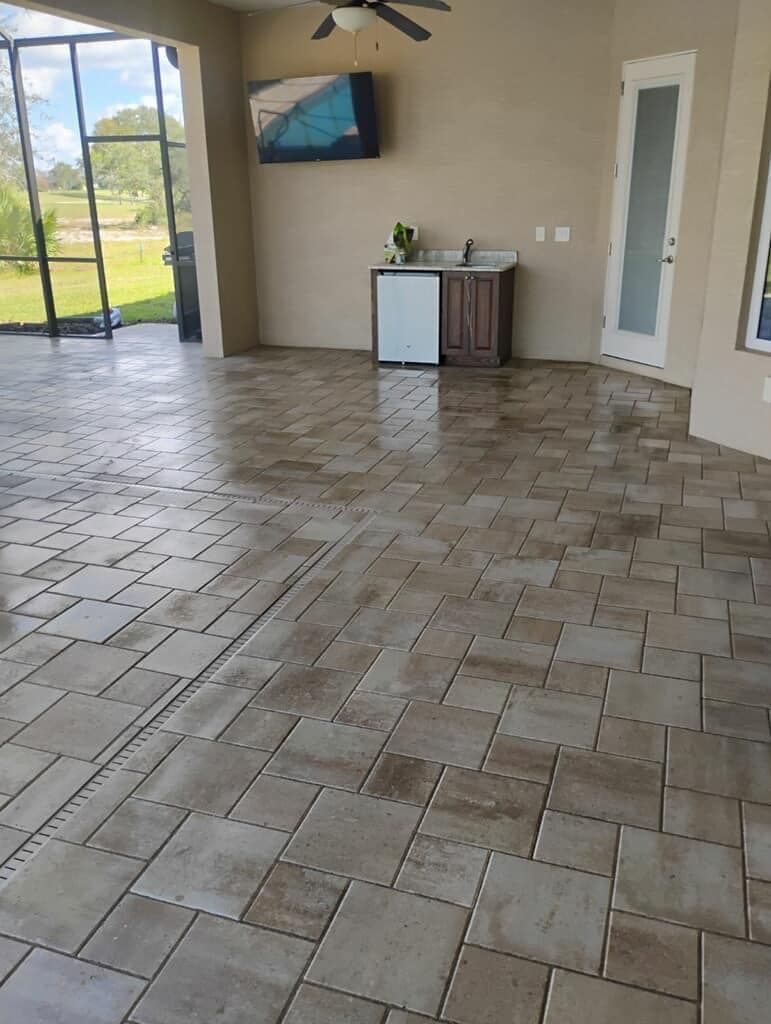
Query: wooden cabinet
[[477, 313], [476, 322]]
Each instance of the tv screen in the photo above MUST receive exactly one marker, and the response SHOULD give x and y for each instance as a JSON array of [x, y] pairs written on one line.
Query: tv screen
[[325, 117]]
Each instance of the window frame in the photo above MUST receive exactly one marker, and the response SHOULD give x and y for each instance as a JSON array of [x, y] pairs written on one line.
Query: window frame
[[753, 342]]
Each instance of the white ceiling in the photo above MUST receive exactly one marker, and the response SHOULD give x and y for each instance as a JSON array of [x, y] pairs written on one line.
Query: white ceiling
[[258, 5]]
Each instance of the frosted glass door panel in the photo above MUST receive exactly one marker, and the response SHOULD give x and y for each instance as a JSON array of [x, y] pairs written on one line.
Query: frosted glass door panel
[[648, 208]]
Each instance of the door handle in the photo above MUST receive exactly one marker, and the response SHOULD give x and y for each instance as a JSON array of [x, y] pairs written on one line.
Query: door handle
[[667, 259]]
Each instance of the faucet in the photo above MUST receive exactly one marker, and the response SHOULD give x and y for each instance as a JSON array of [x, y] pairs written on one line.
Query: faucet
[[467, 251]]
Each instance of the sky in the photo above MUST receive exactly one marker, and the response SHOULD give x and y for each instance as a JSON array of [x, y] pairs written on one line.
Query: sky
[[113, 75]]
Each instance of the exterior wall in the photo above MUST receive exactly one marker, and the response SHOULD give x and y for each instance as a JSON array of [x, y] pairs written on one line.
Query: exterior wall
[[727, 397], [496, 126], [215, 115], [652, 29]]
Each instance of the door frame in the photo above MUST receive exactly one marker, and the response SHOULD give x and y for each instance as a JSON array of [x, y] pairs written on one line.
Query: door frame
[[668, 69]]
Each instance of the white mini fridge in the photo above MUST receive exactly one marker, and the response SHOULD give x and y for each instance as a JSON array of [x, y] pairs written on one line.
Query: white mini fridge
[[408, 317]]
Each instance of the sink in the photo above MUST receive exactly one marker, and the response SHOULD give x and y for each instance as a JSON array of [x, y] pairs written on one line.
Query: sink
[[475, 266]]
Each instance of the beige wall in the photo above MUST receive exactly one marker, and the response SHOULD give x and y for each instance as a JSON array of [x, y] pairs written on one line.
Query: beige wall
[[496, 126], [651, 29], [502, 123], [214, 100], [727, 402]]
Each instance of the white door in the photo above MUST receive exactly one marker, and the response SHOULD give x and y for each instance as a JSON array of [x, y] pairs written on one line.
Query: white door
[[647, 196]]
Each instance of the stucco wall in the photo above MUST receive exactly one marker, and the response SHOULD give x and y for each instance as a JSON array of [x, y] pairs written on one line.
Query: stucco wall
[[727, 396]]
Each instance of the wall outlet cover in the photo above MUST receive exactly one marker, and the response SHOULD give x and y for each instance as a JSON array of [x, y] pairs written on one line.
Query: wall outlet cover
[[540, 234], [562, 234]]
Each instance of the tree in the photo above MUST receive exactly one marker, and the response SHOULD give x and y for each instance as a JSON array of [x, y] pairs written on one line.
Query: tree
[[65, 177], [133, 169], [11, 163]]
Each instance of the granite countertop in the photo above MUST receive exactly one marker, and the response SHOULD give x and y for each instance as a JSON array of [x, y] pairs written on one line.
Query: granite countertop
[[438, 260]]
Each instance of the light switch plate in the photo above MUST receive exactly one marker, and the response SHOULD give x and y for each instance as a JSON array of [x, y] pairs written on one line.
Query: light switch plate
[[540, 234], [562, 234], [767, 390]]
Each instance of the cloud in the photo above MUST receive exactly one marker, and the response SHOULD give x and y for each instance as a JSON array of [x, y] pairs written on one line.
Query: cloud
[[42, 81], [28, 24], [54, 142], [114, 74]]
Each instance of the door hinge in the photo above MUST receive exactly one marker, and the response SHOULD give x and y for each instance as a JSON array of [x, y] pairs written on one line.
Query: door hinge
[[610, 248], [623, 86], [615, 170], [604, 319]]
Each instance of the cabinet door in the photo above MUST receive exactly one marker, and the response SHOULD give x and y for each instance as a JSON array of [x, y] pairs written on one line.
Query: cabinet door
[[483, 339], [456, 315]]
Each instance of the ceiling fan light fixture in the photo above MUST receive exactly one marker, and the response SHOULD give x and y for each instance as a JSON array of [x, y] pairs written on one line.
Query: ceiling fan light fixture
[[354, 19]]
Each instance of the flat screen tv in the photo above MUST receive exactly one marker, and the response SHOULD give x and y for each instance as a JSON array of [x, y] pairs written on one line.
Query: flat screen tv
[[324, 117]]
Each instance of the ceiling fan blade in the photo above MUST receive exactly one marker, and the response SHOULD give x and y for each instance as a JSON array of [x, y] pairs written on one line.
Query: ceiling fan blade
[[326, 28], [406, 25], [434, 5]]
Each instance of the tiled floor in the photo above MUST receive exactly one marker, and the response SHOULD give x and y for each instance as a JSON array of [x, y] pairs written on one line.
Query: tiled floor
[[340, 696]]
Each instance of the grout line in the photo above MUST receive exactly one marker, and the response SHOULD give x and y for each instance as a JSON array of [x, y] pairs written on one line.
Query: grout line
[[305, 575]]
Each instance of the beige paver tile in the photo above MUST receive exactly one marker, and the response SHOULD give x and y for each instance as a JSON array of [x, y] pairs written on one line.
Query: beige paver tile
[[275, 803], [490, 988], [656, 699], [409, 779], [721, 765], [552, 717], [306, 690], [355, 835], [116, 944], [390, 946], [580, 843], [620, 789], [211, 864], [736, 985], [248, 982], [702, 816], [409, 675], [202, 775], [673, 878], [37, 907], [653, 955], [314, 1005], [448, 871], [687, 633], [576, 999], [542, 912], [137, 828], [508, 660], [327, 754], [297, 900], [48, 985], [486, 810], [438, 732]]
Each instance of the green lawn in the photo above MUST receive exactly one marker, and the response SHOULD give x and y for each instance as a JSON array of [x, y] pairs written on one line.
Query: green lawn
[[73, 206], [136, 279]]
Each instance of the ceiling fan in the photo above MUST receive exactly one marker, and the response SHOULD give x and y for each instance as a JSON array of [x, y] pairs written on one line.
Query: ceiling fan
[[360, 14]]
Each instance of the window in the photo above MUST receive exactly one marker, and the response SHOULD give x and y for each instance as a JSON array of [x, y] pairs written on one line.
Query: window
[[759, 325]]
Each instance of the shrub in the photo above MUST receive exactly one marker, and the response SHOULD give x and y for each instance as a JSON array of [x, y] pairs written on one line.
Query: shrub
[[17, 235]]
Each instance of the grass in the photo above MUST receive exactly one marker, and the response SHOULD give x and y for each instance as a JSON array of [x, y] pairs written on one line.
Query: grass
[[137, 282], [73, 206]]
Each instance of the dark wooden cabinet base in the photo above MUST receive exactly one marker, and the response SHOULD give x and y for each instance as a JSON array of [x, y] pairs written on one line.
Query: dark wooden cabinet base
[[477, 317]]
